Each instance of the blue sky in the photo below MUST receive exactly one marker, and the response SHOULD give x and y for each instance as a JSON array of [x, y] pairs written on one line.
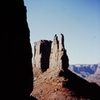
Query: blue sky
[[77, 20]]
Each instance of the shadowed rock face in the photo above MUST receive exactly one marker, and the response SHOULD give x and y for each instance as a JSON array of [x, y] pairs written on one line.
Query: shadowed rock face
[[61, 43], [80, 86], [42, 50], [50, 54], [17, 75]]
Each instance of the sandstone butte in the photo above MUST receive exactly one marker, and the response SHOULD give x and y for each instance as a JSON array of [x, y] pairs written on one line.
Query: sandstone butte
[[50, 67]]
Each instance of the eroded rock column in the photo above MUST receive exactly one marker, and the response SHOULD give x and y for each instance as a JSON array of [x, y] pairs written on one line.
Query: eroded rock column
[[54, 54]]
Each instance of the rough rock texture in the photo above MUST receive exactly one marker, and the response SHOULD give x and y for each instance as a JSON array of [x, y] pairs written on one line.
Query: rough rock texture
[[58, 55], [54, 54], [50, 54], [42, 50], [64, 86], [16, 53]]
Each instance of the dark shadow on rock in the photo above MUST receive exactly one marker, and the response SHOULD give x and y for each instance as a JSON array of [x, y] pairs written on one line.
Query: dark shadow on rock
[[16, 63], [23, 98], [30, 98], [80, 86], [45, 49], [65, 61]]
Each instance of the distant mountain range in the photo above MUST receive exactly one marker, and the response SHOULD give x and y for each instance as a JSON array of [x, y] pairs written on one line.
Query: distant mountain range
[[90, 72]]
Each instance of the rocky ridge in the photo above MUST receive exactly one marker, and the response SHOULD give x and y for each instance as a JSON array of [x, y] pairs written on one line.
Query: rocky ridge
[[94, 78], [89, 72]]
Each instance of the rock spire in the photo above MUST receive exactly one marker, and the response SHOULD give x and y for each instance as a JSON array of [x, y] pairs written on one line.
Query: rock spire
[[50, 54]]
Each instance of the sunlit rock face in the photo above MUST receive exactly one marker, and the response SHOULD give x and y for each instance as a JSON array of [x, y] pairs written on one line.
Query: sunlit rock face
[[55, 44], [59, 58], [50, 54], [54, 54]]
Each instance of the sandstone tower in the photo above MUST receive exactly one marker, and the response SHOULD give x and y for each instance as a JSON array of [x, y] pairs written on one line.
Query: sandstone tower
[[50, 54]]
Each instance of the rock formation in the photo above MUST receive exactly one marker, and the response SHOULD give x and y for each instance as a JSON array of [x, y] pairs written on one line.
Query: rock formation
[[50, 54], [17, 75], [54, 54], [58, 55], [61, 43], [58, 82], [42, 50]]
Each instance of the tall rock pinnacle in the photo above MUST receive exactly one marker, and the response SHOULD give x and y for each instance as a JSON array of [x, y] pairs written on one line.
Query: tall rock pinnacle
[[56, 55], [55, 44], [61, 42]]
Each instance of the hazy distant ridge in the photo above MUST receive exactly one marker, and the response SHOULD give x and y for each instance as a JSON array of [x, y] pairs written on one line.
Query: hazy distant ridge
[[90, 72]]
